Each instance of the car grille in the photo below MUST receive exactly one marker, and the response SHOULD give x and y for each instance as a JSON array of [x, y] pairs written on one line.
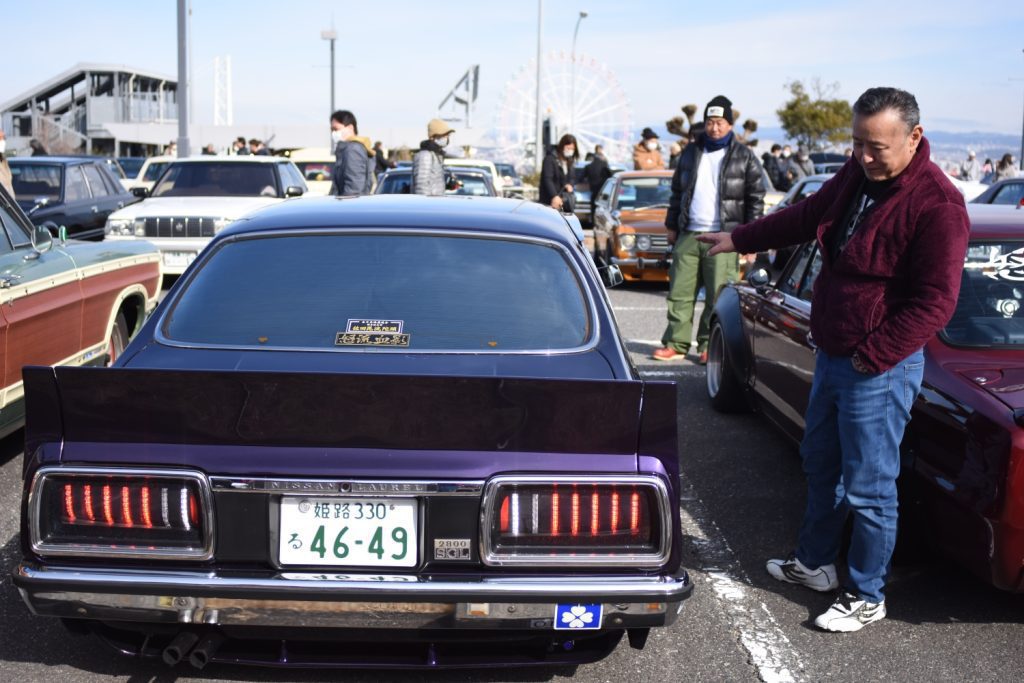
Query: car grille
[[179, 226], [659, 242]]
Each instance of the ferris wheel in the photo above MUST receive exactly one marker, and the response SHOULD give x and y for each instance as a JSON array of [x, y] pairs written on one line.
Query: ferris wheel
[[586, 100]]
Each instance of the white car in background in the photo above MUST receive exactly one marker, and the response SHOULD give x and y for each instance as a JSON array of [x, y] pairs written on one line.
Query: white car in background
[[196, 198], [469, 162], [150, 171], [316, 165]]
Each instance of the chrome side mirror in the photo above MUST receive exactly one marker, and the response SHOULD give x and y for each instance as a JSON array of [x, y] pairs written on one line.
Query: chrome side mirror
[[293, 191], [612, 276], [759, 279], [42, 242], [38, 205]]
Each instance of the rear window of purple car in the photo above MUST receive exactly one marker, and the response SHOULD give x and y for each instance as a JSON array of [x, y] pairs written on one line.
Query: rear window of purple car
[[990, 309], [372, 292]]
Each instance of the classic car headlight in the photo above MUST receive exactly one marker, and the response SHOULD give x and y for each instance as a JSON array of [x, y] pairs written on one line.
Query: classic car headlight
[[160, 514], [566, 521], [139, 227], [643, 242], [627, 241], [119, 226]]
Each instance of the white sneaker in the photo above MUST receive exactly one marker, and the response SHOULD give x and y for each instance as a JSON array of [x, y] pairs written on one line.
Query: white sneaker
[[792, 570], [849, 613]]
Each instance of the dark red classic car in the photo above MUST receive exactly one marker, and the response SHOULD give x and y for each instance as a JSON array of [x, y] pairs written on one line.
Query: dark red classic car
[[963, 464]]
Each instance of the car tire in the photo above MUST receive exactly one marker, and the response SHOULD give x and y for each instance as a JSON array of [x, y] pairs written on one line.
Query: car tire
[[118, 339], [723, 387]]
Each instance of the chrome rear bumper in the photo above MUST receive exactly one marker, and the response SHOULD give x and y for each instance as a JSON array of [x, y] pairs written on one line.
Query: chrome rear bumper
[[313, 599]]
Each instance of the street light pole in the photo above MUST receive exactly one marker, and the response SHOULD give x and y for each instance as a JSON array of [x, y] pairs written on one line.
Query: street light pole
[[538, 152], [184, 82], [331, 35], [572, 86]]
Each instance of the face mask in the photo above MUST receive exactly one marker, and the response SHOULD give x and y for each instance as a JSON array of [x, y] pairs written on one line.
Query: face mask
[[337, 136], [568, 152], [652, 145], [3, 146], [785, 154], [442, 142]]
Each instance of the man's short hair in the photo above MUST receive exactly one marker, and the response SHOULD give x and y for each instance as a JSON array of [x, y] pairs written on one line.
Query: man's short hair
[[254, 141], [240, 138], [346, 118], [776, 147], [598, 149], [875, 100]]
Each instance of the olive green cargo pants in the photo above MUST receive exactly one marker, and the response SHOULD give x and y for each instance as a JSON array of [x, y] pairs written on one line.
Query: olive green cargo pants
[[692, 269]]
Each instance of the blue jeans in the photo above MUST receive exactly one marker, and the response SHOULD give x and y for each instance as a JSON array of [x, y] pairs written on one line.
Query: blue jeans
[[851, 456]]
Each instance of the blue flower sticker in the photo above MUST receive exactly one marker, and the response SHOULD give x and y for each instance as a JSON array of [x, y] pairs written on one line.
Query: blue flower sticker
[[577, 617]]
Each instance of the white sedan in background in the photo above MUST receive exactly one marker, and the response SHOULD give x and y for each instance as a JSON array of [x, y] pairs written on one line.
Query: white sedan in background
[[195, 198]]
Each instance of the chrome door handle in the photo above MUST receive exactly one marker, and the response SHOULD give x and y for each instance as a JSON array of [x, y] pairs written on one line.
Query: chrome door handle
[[8, 281]]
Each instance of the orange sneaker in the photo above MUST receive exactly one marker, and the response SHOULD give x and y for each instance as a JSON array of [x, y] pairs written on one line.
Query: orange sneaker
[[702, 358], [668, 353]]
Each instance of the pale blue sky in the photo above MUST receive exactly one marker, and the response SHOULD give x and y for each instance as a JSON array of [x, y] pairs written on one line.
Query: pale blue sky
[[398, 58]]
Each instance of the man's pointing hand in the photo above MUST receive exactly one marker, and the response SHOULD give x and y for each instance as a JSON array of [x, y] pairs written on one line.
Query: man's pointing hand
[[721, 242]]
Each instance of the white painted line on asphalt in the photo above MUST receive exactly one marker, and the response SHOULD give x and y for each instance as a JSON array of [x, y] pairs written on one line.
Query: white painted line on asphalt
[[759, 633], [649, 342]]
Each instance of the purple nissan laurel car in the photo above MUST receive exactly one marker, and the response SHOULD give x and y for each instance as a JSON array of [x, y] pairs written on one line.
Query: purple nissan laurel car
[[387, 431]]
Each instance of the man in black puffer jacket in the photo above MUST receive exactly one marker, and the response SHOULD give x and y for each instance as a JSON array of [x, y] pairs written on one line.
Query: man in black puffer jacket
[[718, 185]]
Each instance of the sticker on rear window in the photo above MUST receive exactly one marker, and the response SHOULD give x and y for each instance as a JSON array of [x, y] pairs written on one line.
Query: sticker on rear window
[[375, 326], [346, 339]]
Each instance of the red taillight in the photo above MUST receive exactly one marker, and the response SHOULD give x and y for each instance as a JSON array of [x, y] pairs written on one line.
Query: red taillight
[[77, 511], [532, 520]]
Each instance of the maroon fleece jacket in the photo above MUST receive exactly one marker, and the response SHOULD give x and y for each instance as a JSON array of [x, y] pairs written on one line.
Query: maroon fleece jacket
[[895, 284]]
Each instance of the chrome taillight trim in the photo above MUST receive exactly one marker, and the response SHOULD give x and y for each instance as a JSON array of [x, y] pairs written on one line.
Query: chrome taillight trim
[[639, 560], [45, 549]]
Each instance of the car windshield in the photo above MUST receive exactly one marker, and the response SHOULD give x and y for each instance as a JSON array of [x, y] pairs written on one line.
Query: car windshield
[[36, 181], [367, 292], [315, 170], [472, 184], [644, 193], [154, 170], [131, 165], [507, 170], [217, 179], [989, 310]]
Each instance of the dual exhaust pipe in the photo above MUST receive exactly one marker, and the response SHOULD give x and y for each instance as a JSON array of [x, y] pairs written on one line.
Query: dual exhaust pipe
[[200, 650]]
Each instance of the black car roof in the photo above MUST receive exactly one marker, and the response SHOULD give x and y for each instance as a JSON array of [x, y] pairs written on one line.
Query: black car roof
[[478, 214], [53, 160]]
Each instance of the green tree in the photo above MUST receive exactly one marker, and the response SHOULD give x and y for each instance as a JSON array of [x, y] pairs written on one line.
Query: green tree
[[814, 119]]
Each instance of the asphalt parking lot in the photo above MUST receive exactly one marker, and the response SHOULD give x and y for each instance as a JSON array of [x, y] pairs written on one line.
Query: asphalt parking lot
[[742, 501]]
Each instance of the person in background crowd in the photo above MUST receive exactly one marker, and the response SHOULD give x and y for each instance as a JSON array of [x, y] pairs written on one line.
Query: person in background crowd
[[847, 152], [353, 165], [37, 148], [209, 150], [380, 158], [674, 150], [790, 169], [893, 233], [770, 161], [988, 169], [717, 186], [556, 173], [1006, 168], [239, 146], [803, 160], [171, 149], [646, 154], [5, 168], [596, 173], [970, 169], [258, 148], [428, 175]]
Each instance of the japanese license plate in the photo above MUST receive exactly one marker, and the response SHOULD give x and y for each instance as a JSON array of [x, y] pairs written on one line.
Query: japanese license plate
[[178, 259], [348, 532]]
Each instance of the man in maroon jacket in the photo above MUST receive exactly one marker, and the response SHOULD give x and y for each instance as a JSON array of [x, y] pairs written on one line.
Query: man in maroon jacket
[[892, 231]]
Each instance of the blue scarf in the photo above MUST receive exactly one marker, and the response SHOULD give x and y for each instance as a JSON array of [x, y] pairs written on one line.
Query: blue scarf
[[715, 145]]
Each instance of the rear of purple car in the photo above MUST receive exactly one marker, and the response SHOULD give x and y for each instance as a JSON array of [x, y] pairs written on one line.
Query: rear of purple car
[[395, 432]]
